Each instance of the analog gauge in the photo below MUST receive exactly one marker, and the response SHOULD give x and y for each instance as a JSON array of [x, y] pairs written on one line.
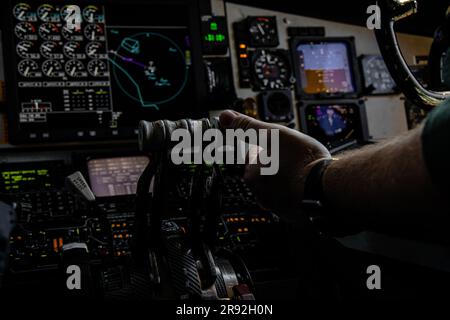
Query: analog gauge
[[51, 50], [22, 12], [27, 49], [65, 12], [25, 31], [49, 31], [72, 34], [73, 50], [75, 68], [96, 50], [97, 68], [271, 70], [48, 13], [52, 69], [377, 78], [263, 31], [29, 68], [94, 32], [92, 14]]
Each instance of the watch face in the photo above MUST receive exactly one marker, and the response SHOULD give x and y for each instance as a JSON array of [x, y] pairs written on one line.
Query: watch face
[[263, 31], [271, 70], [377, 78]]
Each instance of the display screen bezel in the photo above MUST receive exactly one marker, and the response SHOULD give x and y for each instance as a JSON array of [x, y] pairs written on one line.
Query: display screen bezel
[[363, 131], [352, 59]]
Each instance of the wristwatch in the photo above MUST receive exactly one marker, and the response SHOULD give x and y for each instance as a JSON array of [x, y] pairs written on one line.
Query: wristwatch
[[321, 215]]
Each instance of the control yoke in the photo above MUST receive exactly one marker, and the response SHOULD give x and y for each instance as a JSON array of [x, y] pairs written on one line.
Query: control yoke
[[391, 12]]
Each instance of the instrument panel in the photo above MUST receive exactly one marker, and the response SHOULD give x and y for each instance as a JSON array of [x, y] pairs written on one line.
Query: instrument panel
[[97, 79]]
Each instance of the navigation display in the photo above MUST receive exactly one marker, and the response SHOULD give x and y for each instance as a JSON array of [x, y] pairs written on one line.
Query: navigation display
[[98, 78]]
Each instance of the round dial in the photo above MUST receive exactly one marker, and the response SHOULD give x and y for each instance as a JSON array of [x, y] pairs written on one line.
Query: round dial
[[29, 68], [51, 50], [25, 31], [96, 50], [23, 12], [94, 32], [75, 68], [97, 68], [27, 49], [48, 13], [72, 34], [271, 70], [52, 68], [92, 14], [73, 50], [49, 31], [65, 11], [376, 75], [263, 31]]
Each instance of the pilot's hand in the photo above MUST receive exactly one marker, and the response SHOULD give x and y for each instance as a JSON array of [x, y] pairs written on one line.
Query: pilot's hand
[[282, 192]]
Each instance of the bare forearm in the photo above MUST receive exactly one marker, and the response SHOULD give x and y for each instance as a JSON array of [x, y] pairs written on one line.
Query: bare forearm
[[383, 183]]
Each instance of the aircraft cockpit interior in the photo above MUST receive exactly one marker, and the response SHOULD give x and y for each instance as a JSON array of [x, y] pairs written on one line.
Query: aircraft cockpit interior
[[93, 205]]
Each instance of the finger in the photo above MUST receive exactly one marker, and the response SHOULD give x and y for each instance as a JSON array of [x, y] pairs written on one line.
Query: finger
[[234, 120]]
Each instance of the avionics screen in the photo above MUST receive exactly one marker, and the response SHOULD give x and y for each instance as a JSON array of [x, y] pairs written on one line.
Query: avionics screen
[[27, 177], [324, 67], [333, 124], [127, 61], [111, 177]]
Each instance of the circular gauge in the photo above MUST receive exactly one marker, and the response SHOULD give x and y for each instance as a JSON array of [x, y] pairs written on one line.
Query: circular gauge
[[75, 68], [94, 32], [96, 50], [73, 50], [72, 34], [49, 31], [27, 49], [65, 11], [92, 14], [271, 70], [51, 50], [377, 78], [52, 68], [47, 13], [97, 68], [25, 31], [22, 12], [263, 31], [28, 68]]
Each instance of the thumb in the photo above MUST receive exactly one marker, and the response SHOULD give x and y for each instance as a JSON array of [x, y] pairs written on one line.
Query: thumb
[[234, 120]]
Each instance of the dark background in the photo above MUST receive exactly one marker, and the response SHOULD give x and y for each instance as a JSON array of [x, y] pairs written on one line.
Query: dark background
[[431, 12]]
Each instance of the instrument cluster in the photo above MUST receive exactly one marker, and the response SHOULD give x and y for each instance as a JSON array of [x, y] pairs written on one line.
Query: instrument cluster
[[48, 47]]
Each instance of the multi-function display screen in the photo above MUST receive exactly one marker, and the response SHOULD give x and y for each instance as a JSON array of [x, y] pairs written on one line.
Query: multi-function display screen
[[334, 124], [93, 70], [325, 67]]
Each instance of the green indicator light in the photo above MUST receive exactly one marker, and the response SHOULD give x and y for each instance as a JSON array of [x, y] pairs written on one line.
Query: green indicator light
[[220, 37], [213, 26]]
